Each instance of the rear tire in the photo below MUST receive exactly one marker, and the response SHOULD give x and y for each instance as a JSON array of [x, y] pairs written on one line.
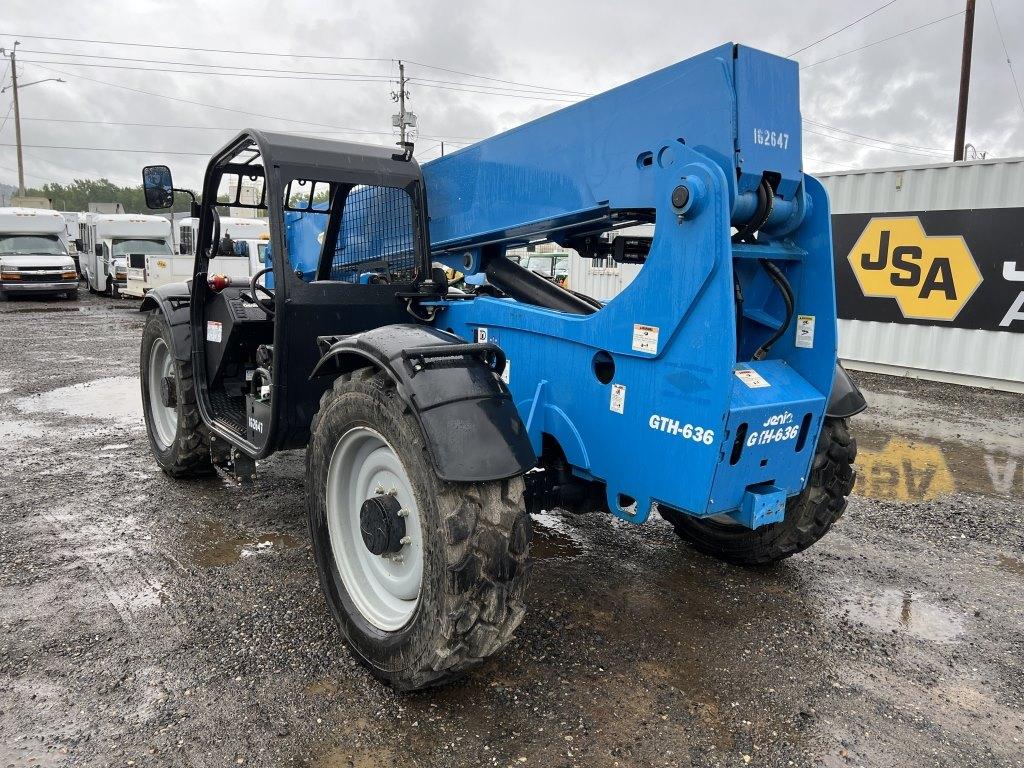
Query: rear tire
[[809, 515], [474, 540], [176, 434]]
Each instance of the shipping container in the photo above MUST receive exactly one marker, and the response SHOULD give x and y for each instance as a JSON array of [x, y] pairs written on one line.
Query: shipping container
[[930, 270]]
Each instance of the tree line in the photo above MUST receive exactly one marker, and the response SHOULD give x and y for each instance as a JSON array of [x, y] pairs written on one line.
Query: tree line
[[77, 195]]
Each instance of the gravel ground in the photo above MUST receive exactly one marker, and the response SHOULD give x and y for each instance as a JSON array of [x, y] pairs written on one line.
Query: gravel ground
[[145, 621]]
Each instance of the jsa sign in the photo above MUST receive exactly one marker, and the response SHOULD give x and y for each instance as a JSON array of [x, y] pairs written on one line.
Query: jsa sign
[[960, 268]]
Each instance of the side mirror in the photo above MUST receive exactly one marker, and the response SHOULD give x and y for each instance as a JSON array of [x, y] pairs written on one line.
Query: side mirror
[[158, 186], [98, 249], [79, 245]]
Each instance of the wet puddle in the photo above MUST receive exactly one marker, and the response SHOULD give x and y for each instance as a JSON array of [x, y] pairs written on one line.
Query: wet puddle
[[1012, 564], [113, 399], [899, 468], [40, 310], [16, 430], [553, 538], [892, 610], [211, 544]]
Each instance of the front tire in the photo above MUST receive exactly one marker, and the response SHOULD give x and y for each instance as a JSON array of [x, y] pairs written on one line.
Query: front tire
[[176, 434], [469, 541], [809, 515]]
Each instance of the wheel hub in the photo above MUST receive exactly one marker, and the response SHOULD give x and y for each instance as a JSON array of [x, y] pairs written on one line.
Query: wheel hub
[[168, 392], [382, 524]]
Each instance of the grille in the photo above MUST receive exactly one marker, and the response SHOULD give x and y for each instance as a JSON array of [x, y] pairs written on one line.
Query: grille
[[376, 235], [50, 276]]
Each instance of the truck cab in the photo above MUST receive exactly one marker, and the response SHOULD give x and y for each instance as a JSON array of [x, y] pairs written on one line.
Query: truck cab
[[117, 244], [33, 256], [239, 259]]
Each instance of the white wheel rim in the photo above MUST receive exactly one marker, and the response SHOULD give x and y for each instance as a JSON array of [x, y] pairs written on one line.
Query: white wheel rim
[[384, 588], [165, 418]]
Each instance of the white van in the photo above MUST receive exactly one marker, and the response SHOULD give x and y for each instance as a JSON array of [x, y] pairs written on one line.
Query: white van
[[33, 256], [250, 240], [71, 222], [113, 245]]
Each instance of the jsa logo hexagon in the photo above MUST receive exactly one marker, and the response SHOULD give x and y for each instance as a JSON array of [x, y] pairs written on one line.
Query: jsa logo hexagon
[[931, 278]]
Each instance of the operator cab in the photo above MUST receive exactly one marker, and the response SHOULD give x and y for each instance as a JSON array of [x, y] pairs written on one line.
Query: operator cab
[[348, 252]]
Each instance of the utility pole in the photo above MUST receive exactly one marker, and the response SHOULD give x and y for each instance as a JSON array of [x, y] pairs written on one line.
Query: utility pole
[[17, 110], [403, 120], [17, 122], [965, 83]]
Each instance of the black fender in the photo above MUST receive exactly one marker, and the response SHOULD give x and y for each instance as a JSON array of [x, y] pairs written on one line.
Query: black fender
[[469, 420], [845, 400], [174, 300]]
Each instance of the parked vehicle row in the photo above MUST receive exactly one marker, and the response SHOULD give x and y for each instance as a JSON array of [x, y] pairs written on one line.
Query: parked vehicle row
[[34, 258], [45, 252]]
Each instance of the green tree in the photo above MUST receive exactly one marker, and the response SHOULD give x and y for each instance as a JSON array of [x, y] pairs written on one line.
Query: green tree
[[77, 195]]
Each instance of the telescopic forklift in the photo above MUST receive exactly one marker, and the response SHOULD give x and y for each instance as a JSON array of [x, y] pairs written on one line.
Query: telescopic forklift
[[436, 420]]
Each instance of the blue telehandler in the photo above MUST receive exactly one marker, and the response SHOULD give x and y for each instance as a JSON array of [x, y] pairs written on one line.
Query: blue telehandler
[[435, 420]]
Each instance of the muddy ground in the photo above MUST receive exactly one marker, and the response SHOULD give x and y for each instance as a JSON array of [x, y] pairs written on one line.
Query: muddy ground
[[145, 621]]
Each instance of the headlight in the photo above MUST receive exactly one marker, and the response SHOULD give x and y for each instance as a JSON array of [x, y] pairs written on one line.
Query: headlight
[[69, 274], [10, 275]]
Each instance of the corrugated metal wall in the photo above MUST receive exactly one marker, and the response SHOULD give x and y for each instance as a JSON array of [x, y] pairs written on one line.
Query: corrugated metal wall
[[603, 278], [981, 358]]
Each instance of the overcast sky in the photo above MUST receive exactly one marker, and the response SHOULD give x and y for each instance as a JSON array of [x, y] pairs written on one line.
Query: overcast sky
[[902, 91]]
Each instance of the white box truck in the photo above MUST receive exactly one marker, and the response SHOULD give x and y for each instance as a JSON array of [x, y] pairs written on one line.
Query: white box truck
[[113, 245], [249, 240], [71, 223], [33, 256]]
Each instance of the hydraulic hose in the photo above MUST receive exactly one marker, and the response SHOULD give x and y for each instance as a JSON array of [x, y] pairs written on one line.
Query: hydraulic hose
[[787, 296]]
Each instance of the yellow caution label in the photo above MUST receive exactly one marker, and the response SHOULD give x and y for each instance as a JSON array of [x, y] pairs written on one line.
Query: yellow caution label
[[930, 277]]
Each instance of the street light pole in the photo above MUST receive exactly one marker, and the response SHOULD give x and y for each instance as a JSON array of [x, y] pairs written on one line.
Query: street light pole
[[17, 111], [17, 122]]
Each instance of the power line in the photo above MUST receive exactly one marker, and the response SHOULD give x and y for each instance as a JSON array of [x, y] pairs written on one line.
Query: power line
[[109, 149], [332, 79], [6, 117], [875, 138], [498, 80], [1009, 64], [883, 40], [264, 54], [360, 76], [872, 146], [841, 29], [840, 166], [194, 103], [416, 81], [448, 139]]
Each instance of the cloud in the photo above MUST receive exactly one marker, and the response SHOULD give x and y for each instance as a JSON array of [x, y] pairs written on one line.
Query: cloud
[[904, 90]]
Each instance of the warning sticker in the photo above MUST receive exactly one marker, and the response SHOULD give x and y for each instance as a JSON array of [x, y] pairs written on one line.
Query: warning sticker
[[805, 331], [214, 331], [481, 335], [752, 378], [645, 338], [618, 403]]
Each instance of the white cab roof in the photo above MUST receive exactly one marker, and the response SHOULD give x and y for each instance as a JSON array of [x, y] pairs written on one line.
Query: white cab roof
[[130, 225], [31, 221]]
